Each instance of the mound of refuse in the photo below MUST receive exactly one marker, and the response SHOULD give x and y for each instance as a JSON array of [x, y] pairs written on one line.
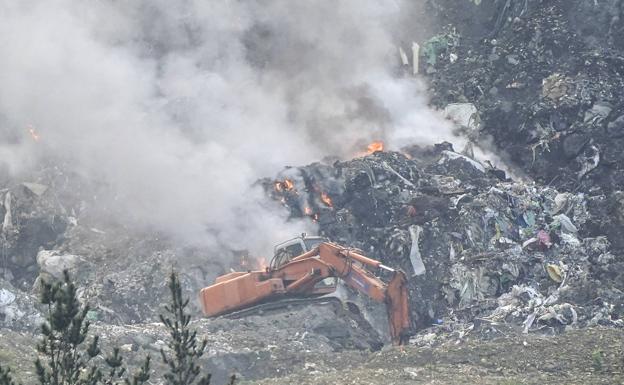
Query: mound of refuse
[[478, 246]]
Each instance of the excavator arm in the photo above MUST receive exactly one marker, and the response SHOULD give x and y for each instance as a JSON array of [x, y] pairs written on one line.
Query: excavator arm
[[344, 265], [299, 276]]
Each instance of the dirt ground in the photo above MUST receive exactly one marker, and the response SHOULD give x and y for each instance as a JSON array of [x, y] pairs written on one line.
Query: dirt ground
[[591, 356], [585, 356]]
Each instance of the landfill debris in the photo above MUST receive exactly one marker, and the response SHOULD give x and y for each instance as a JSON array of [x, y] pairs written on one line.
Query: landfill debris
[[545, 82], [468, 236]]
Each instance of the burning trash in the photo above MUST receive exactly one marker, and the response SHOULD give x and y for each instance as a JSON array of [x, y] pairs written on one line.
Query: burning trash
[[326, 199], [470, 235], [285, 185], [375, 147], [34, 134]]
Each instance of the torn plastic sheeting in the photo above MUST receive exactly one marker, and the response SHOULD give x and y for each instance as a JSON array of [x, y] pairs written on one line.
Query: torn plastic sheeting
[[453, 155], [403, 56], [528, 322], [415, 256], [8, 217], [566, 224], [590, 161], [570, 239], [556, 312], [561, 200], [529, 218], [416, 57], [464, 114], [472, 284], [6, 297], [597, 113]]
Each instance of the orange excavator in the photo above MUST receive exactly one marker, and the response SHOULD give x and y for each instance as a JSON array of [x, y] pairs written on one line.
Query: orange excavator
[[305, 267]]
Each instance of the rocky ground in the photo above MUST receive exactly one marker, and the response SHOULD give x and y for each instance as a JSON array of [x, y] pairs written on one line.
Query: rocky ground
[[515, 278], [282, 354]]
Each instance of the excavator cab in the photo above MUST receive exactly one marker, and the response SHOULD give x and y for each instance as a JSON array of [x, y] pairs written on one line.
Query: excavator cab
[[292, 248], [286, 251]]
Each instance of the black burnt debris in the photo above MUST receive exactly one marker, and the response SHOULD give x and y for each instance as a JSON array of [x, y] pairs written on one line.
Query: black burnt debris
[[478, 246]]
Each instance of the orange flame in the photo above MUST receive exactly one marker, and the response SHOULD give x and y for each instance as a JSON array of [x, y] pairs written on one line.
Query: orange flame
[[326, 199], [33, 133], [307, 211], [287, 185], [374, 147]]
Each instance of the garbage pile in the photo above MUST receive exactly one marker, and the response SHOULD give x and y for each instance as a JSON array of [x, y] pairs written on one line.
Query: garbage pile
[[546, 80], [476, 245]]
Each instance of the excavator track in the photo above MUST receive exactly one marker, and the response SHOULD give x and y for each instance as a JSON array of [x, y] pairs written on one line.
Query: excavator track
[[287, 303]]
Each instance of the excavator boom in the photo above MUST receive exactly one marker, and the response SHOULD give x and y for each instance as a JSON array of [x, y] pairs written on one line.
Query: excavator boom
[[300, 276]]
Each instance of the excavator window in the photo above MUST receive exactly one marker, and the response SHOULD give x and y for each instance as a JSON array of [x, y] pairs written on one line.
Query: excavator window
[[285, 254], [311, 243], [294, 250]]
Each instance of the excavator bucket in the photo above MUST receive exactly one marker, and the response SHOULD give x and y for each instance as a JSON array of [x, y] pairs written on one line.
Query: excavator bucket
[[397, 306]]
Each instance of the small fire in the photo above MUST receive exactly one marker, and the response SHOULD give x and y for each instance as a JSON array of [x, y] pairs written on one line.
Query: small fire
[[326, 199], [286, 185], [33, 133], [310, 213], [374, 147]]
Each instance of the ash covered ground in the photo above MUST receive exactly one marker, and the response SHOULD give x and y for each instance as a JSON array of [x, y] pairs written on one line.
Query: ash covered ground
[[511, 237]]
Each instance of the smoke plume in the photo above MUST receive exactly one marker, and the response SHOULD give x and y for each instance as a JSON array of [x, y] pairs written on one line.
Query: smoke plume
[[177, 107]]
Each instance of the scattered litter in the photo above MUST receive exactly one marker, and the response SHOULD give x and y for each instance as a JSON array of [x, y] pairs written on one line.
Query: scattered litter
[[554, 272], [415, 257], [415, 57]]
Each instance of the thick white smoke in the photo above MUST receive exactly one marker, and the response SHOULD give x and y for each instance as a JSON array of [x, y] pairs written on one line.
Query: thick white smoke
[[179, 106]]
